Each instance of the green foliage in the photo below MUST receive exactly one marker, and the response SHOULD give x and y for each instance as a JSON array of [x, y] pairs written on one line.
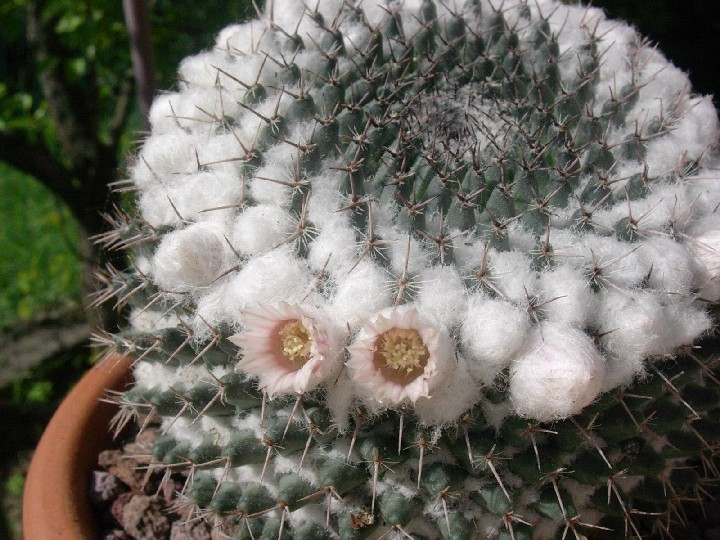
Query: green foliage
[[39, 266], [47, 383], [176, 30], [91, 42], [15, 484], [92, 39]]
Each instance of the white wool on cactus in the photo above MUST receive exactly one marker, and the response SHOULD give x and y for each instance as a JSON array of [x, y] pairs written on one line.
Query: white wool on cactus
[[277, 276], [511, 273], [565, 296], [361, 293], [334, 249], [261, 228], [633, 325], [670, 265], [189, 258], [455, 395], [558, 373], [705, 246], [440, 293], [492, 332], [203, 196]]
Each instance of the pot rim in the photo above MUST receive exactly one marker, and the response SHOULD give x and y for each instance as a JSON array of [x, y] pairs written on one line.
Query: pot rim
[[56, 504]]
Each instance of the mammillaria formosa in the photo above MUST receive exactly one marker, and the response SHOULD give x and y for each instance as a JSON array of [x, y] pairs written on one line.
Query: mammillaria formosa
[[425, 269]]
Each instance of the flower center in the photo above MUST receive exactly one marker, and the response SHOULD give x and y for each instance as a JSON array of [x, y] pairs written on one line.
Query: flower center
[[295, 341], [401, 354]]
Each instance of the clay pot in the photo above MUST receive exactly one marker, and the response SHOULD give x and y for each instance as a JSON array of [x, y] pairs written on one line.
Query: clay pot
[[55, 501]]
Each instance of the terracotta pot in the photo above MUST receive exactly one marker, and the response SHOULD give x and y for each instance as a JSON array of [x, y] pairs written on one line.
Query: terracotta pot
[[55, 501]]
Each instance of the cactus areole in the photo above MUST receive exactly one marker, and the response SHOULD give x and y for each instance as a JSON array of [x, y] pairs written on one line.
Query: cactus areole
[[426, 269]]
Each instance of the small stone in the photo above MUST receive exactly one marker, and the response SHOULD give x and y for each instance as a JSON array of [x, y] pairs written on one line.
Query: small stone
[[143, 518], [196, 530], [118, 506], [114, 534], [127, 469], [104, 487]]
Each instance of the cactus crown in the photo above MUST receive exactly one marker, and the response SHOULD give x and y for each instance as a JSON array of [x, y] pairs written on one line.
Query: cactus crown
[[376, 246]]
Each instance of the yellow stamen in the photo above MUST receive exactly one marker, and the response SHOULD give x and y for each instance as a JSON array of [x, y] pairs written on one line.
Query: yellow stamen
[[295, 341], [401, 354]]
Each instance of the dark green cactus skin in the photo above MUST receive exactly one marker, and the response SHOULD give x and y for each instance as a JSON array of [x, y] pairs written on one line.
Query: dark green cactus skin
[[622, 467]]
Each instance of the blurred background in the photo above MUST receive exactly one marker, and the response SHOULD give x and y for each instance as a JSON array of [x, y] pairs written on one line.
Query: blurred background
[[70, 118]]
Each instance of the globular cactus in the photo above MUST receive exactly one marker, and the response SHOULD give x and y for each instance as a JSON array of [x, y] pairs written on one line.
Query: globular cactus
[[426, 269]]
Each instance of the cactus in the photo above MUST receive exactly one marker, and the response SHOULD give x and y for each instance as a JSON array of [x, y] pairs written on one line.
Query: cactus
[[426, 270]]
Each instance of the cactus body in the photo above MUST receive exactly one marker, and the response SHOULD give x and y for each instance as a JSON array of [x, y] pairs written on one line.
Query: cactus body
[[427, 270]]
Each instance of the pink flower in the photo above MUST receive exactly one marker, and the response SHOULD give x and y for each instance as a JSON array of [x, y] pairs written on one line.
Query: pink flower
[[398, 356], [288, 347]]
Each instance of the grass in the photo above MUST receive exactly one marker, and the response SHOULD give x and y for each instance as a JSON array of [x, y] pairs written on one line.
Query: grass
[[39, 265]]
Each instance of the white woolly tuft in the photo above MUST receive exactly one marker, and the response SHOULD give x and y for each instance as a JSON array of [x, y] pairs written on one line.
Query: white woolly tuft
[[510, 272], [442, 294], [325, 200], [689, 139], [265, 188], [633, 325], [661, 83], [690, 322], [217, 429], [221, 153], [277, 276], [189, 258], [702, 191], [260, 228], [292, 15], [190, 376], [199, 70], [182, 429], [310, 513], [193, 197], [469, 254], [161, 115], [557, 374], [147, 320], [361, 293], [196, 110], [616, 40], [621, 372], [705, 246], [492, 332], [402, 260], [163, 155], [619, 263], [670, 265], [334, 248], [565, 296], [520, 238], [242, 39], [454, 396], [153, 374], [212, 309]]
